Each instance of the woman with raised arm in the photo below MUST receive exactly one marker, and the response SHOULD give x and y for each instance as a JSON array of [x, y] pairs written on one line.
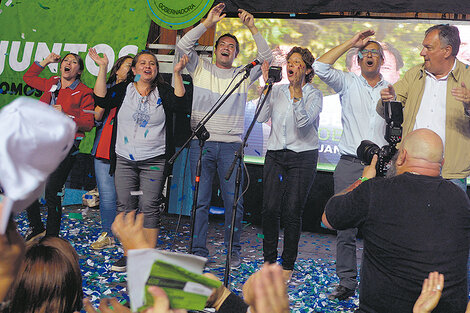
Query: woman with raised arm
[[142, 139], [291, 160], [104, 121], [68, 95]]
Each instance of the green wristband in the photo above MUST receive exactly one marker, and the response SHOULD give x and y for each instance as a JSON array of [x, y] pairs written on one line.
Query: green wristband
[[363, 179]]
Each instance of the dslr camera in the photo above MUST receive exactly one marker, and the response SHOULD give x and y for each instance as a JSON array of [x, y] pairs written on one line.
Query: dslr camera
[[393, 112]]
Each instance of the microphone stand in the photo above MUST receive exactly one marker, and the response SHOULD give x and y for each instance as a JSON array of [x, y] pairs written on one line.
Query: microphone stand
[[238, 159], [202, 134]]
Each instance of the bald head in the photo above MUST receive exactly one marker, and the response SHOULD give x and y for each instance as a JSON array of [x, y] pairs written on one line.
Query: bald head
[[421, 152], [424, 144]]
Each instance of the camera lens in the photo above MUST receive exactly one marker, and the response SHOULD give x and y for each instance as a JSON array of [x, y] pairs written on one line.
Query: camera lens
[[366, 150]]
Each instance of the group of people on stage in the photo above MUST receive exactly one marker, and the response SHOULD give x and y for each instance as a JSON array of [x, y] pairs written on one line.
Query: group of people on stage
[[412, 224]]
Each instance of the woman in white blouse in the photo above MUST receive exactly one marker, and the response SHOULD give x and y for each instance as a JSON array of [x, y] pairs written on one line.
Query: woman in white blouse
[[291, 159]]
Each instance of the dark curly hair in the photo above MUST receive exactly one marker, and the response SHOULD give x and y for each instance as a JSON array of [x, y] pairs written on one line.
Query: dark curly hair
[[308, 59]]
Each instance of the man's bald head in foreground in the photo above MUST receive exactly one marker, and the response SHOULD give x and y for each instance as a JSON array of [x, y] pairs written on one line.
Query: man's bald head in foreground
[[421, 152]]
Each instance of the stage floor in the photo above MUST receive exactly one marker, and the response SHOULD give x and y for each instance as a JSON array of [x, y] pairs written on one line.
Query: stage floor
[[314, 275]]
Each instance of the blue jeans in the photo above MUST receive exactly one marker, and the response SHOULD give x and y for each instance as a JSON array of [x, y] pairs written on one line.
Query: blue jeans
[[217, 156], [107, 190], [461, 183]]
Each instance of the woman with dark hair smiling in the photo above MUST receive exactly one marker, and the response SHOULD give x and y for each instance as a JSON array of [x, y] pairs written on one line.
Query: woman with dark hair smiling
[[291, 160], [68, 95], [104, 121], [142, 138]]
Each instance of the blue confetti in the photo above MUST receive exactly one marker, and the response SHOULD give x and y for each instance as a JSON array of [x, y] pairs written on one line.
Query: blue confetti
[[1, 90], [42, 200], [280, 177], [257, 152], [260, 180], [89, 175], [113, 95], [126, 140], [292, 15], [144, 123], [137, 78], [188, 116], [159, 100], [152, 179], [131, 156], [145, 134], [132, 9], [43, 7]]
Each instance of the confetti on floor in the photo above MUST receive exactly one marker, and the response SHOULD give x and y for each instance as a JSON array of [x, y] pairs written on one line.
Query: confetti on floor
[[314, 275]]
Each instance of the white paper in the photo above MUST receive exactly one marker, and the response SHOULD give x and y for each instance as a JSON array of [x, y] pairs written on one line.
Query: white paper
[[139, 265]]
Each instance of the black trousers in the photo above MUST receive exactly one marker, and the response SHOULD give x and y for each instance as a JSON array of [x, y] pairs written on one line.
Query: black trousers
[[287, 179], [54, 206]]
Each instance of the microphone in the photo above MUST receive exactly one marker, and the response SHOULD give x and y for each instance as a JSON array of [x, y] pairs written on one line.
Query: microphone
[[274, 75], [250, 65]]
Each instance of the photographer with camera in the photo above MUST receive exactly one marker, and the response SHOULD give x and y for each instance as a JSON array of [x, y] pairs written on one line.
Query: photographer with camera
[[360, 121], [414, 222]]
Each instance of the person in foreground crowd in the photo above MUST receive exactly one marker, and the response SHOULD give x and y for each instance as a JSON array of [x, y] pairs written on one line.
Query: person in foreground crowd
[[104, 120], [264, 292], [358, 97], [49, 279], [141, 139], [434, 95], [413, 222], [225, 127], [68, 95], [291, 160]]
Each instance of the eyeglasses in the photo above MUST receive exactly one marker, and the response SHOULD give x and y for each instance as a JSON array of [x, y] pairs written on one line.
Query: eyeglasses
[[363, 52]]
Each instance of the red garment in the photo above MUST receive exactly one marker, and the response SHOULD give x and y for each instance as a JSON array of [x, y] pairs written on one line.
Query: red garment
[[102, 150], [73, 101]]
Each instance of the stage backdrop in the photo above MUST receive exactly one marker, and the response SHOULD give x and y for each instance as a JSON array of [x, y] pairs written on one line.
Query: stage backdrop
[[33, 29], [401, 40]]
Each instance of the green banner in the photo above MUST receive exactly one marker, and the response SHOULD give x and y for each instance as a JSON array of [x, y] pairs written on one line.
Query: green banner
[[33, 29], [177, 14]]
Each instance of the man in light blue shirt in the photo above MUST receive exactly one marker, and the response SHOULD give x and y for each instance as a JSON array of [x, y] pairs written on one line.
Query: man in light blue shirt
[[360, 121]]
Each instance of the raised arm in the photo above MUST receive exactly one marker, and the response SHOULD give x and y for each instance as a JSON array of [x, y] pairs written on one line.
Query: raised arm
[[100, 84], [186, 44], [178, 79], [357, 41], [31, 77], [264, 52]]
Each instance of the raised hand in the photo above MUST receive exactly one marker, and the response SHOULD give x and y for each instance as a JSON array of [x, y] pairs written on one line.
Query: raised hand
[[181, 64], [462, 94], [130, 231], [270, 291], [246, 18], [265, 70], [101, 61], [51, 58], [430, 293], [388, 94], [215, 15], [362, 38]]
